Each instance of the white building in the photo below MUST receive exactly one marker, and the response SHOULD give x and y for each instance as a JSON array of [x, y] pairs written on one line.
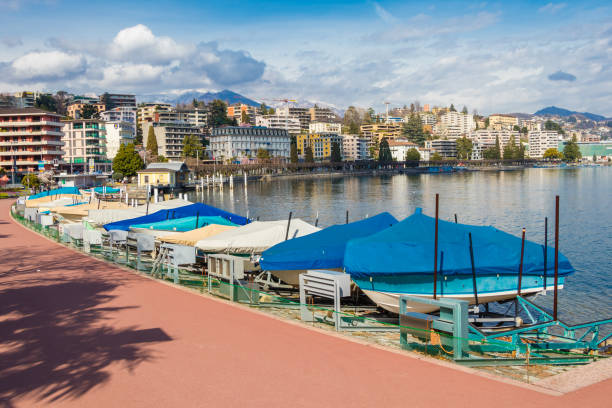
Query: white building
[[486, 138], [170, 137], [196, 117], [454, 125], [428, 118], [355, 147], [120, 114], [290, 123], [542, 140], [85, 145], [399, 148], [324, 127], [118, 133], [244, 141]]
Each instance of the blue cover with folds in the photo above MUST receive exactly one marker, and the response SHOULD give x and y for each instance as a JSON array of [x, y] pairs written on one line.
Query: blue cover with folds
[[106, 190], [57, 191], [184, 224], [200, 209], [323, 249], [408, 248]]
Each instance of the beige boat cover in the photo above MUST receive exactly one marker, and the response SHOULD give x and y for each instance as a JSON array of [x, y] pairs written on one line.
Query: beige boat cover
[[50, 201], [190, 238], [83, 209], [102, 217]]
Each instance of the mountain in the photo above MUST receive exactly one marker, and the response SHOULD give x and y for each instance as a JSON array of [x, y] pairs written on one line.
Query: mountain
[[226, 96], [554, 111]]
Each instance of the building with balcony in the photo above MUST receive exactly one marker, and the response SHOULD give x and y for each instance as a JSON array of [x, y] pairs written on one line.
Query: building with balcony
[[399, 148], [303, 115], [290, 123], [75, 108], [500, 121], [30, 140], [85, 145], [120, 114], [486, 138], [542, 140], [147, 111], [197, 117], [237, 109], [324, 127], [170, 137], [321, 114], [355, 147], [237, 142], [453, 125], [114, 100], [118, 133], [376, 131], [445, 148], [321, 144]]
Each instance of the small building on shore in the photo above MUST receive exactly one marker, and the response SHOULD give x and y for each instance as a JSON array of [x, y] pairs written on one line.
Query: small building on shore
[[169, 174]]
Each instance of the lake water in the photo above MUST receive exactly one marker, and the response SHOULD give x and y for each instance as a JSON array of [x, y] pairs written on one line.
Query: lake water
[[509, 200]]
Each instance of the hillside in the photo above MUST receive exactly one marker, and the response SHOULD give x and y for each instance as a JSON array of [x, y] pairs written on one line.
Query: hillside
[[555, 111]]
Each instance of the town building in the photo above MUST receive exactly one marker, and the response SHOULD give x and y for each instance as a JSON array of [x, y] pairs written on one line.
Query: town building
[[355, 147], [168, 174], [427, 118], [30, 140], [303, 115], [500, 121], [237, 142], [320, 143], [85, 145], [453, 125], [376, 131], [237, 109], [114, 100], [321, 114], [601, 150], [118, 133], [324, 127], [542, 140], [74, 110], [147, 111], [445, 148], [290, 123], [120, 114], [170, 137], [487, 138], [197, 117], [399, 147]]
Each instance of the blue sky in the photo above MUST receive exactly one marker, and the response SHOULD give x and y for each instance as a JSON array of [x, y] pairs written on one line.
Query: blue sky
[[489, 56]]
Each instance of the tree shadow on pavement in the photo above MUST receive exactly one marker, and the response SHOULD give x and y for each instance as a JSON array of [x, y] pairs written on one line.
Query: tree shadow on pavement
[[55, 344]]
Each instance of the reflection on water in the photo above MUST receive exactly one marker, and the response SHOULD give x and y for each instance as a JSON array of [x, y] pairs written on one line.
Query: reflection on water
[[509, 200]]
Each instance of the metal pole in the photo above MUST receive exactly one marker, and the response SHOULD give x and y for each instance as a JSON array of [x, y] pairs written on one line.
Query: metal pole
[[288, 223], [556, 256], [347, 216], [473, 268], [435, 282], [520, 275], [545, 250], [317, 220], [455, 218], [197, 219]]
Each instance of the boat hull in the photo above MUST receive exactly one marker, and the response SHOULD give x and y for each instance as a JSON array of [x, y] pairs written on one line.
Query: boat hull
[[490, 289]]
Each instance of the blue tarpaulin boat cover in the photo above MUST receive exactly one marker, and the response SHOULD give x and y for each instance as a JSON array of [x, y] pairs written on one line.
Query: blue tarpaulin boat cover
[[106, 190], [184, 224], [57, 191], [323, 249], [408, 248], [200, 209]]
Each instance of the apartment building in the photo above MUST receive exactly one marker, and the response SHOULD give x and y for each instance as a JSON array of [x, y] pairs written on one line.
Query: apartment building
[[376, 131], [355, 147], [237, 142], [321, 144], [118, 133], [114, 100], [120, 114], [76, 107], [235, 111], [85, 145], [445, 148], [500, 121], [290, 123], [453, 125], [30, 140], [170, 137], [487, 138], [197, 117], [321, 114], [303, 115], [324, 127], [427, 118], [147, 111], [399, 147], [542, 140]]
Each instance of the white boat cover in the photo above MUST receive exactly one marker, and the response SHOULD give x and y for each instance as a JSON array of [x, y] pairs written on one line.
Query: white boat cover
[[102, 217], [191, 238], [256, 237]]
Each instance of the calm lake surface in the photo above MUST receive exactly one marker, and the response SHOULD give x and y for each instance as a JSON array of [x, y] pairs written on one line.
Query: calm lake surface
[[509, 200]]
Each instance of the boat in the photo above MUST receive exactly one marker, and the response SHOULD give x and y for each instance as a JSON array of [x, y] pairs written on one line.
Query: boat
[[179, 224], [191, 238], [107, 216], [400, 261], [319, 250]]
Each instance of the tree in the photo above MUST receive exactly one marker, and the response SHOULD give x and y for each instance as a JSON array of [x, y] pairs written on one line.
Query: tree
[[493, 152], [384, 153], [152, 147], [413, 155], [263, 154], [88, 111], [550, 125], [195, 103], [510, 149], [486, 123], [117, 176], [30, 180], [571, 151], [192, 147], [294, 153], [161, 159], [452, 108], [464, 148], [127, 161], [413, 130], [352, 120], [308, 155], [516, 128], [336, 156], [464, 110], [436, 157], [61, 102], [553, 154], [244, 118], [45, 102], [218, 114]]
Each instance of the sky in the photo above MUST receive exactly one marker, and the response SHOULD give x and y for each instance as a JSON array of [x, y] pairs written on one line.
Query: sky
[[516, 56]]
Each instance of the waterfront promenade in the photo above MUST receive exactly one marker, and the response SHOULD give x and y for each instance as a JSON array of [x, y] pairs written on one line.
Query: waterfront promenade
[[75, 331]]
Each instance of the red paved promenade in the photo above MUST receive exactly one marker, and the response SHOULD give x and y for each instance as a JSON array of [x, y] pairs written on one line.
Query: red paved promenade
[[75, 331]]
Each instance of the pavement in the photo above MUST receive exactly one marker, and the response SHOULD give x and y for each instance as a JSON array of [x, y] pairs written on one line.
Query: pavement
[[78, 332]]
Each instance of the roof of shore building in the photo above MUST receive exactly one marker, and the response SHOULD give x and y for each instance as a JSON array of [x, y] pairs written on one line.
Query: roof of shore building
[[25, 111], [176, 166]]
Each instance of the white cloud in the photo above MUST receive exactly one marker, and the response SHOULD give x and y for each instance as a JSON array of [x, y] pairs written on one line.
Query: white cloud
[[51, 65], [384, 14], [131, 74], [552, 8], [138, 43]]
